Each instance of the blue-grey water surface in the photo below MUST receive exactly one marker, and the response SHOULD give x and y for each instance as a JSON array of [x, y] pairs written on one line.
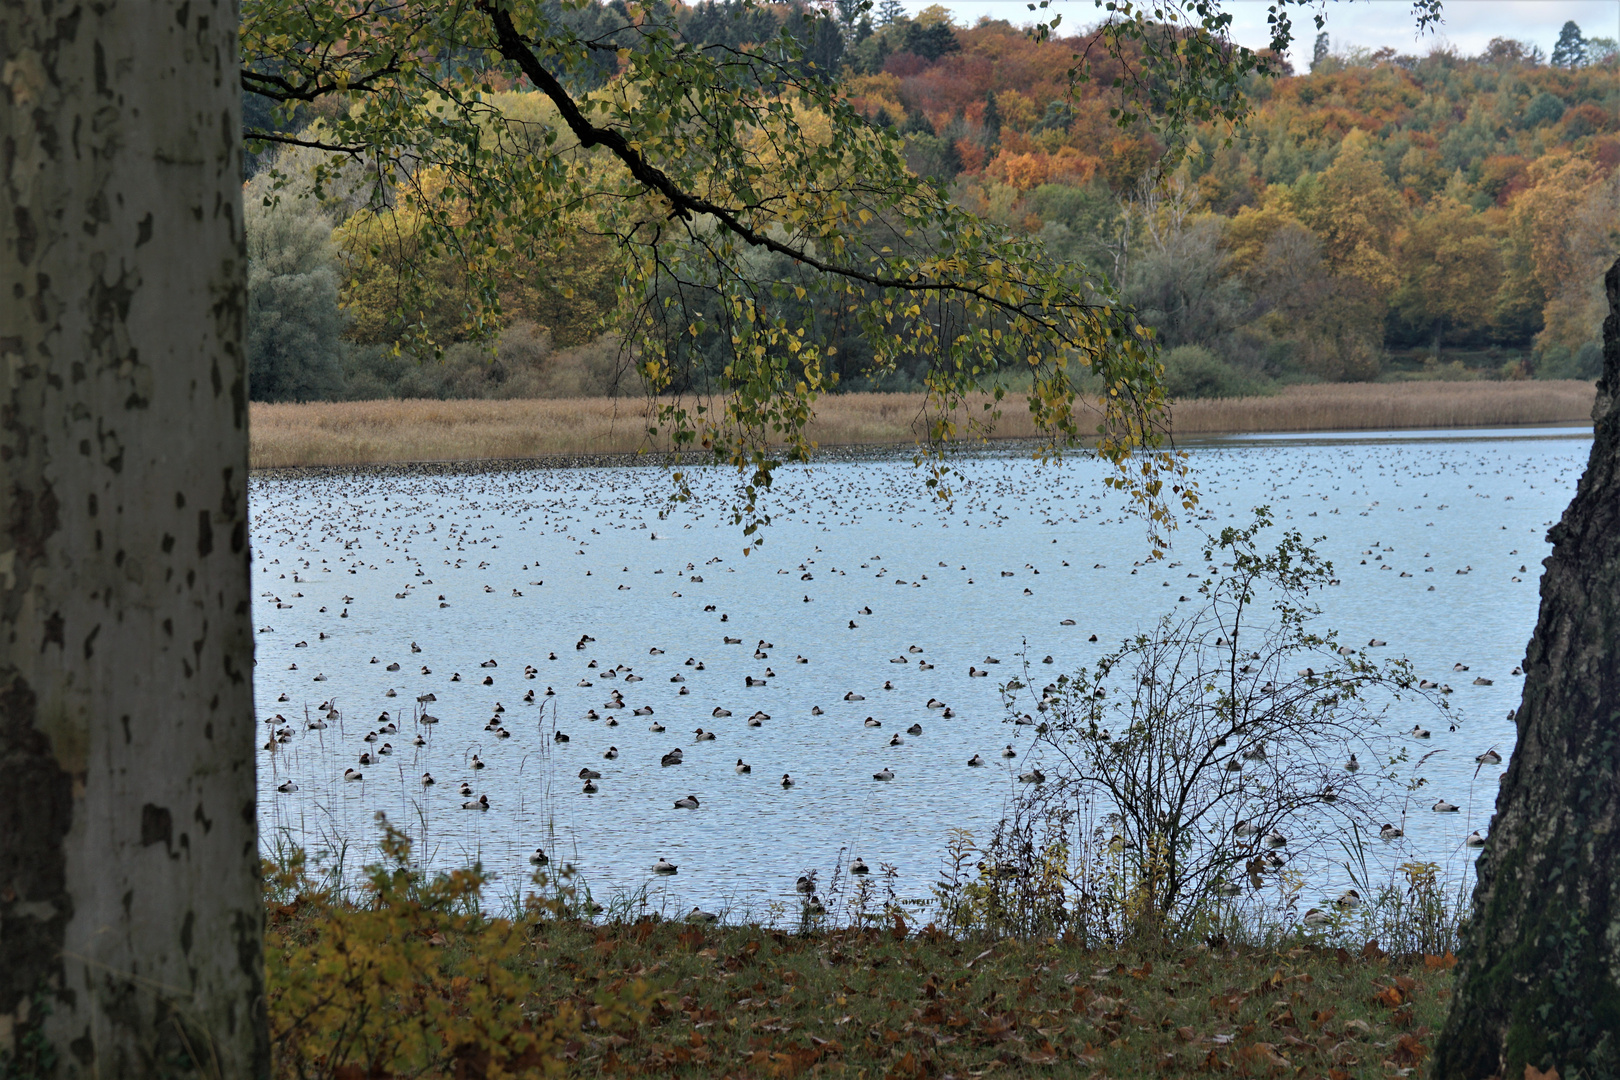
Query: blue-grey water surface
[[513, 565]]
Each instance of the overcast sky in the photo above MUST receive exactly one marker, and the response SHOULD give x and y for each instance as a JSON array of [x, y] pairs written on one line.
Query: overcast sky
[[1468, 26]]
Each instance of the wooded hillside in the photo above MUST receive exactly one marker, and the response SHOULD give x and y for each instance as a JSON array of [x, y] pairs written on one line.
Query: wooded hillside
[[1382, 215]]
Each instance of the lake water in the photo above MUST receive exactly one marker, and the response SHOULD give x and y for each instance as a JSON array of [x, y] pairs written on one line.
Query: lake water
[[515, 565]]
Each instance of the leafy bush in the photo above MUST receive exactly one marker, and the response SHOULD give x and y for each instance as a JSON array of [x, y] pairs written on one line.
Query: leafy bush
[[410, 979], [1193, 371], [295, 327], [1559, 362]]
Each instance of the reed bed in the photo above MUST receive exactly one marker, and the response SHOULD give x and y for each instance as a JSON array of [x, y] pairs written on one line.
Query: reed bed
[[1391, 406], [376, 432]]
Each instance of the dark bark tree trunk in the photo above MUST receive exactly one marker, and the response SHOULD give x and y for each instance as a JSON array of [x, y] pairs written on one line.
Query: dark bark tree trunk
[[1539, 978], [130, 914]]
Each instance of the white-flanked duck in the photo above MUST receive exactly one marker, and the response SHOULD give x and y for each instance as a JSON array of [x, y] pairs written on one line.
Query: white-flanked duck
[[883, 774]]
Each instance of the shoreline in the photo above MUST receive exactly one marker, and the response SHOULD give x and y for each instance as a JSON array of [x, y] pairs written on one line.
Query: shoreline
[[438, 436]]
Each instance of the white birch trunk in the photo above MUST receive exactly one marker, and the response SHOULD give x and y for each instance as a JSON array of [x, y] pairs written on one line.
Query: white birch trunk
[[129, 901]]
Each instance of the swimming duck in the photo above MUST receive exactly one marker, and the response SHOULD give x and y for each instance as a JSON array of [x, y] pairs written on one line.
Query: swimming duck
[[787, 781], [873, 722], [352, 774], [1390, 832], [804, 885], [480, 803], [1474, 839], [589, 774], [703, 736], [690, 802], [895, 740], [477, 764], [976, 761], [671, 758], [859, 866], [590, 788], [612, 753], [539, 857], [560, 737], [287, 787], [853, 696], [719, 712], [698, 915], [883, 774], [1352, 765], [1034, 776], [465, 789], [1227, 888], [742, 767], [1443, 807], [1243, 828], [1349, 899], [1418, 732], [1275, 839], [1489, 757], [914, 729], [664, 866], [1317, 917], [427, 780], [655, 727], [1009, 752]]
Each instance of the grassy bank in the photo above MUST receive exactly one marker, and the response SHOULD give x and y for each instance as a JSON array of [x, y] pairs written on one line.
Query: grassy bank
[[407, 989], [369, 432]]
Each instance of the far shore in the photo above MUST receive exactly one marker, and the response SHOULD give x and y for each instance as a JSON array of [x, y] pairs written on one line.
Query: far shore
[[392, 432]]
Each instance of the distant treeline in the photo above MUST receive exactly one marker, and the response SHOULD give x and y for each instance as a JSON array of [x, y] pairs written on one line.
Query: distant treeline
[[1444, 216]]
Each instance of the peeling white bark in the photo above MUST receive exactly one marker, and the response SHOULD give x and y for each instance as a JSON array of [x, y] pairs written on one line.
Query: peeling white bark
[[129, 900]]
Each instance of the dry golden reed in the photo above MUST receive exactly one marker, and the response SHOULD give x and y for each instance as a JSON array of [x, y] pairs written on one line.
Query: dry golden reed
[[374, 432]]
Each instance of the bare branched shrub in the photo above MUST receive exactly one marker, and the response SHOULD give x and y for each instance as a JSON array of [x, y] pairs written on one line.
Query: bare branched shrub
[[1195, 764]]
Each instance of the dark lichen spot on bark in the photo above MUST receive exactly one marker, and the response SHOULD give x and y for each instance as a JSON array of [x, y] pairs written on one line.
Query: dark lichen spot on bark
[[90, 641], [36, 815], [157, 826], [34, 520], [167, 544], [143, 230], [53, 632], [186, 929], [27, 235], [179, 500], [205, 534]]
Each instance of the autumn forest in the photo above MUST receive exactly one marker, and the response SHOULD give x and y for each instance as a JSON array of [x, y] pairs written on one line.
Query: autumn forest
[[1381, 216]]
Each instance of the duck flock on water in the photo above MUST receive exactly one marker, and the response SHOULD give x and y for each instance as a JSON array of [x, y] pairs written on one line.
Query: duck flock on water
[[429, 629]]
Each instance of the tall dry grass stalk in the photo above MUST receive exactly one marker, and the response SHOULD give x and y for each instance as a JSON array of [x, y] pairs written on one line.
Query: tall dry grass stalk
[[374, 432]]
